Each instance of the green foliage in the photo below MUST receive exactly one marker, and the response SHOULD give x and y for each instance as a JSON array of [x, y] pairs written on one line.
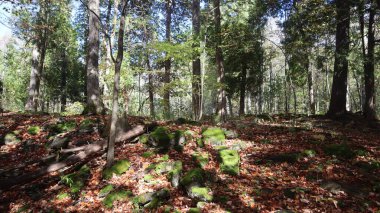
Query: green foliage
[[34, 130], [77, 108], [106, 190], [118, 168], [63, 127], [201, 159], [76, 180], [147, 154], [194, 210], [63, 195], [86, 123]]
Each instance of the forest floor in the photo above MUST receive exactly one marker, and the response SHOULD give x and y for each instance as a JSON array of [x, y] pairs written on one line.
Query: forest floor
[[299, 164]]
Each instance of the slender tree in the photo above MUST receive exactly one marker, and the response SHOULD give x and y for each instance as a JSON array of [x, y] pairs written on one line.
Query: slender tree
[[221, 104], [168, 23], [196, 83], [116, 87], [339, 86]]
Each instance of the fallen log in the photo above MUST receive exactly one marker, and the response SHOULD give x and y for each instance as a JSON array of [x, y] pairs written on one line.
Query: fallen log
[[84, 153]]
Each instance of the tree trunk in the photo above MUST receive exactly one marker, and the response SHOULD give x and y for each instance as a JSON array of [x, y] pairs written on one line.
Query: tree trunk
[[196, 83], [116, 87], [94, 102], [64, 67], [33, 90], [168, 22], [369, 68], [242, 88], [339, 86], [310, 81], [221, 104]]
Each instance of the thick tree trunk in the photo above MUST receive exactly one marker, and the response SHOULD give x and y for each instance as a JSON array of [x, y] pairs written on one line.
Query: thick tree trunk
[[243, 83], [94, 102], [221, 104], [369, 69], [168, 22], [116, 87], [33, 90], [196, 83], [339, 86]]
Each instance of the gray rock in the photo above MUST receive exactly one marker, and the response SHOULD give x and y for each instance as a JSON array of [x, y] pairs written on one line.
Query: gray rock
[[60, 141]]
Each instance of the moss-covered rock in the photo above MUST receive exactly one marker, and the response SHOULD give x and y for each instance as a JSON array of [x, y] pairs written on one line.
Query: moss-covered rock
[[152, 200], [309, 153], [60, 141], [105, 190], [200, 143], [213, 136], [147, 154], [179, 140], [339, 150], [144, 139], [34, 130], [230, 161], [11, 139], [193, 177], [75, 181], [201, 159], [194, 210], [201, 193], [118, 168], [161, 138], [62, 127], [230, 134], [175, 174], [116, 196]]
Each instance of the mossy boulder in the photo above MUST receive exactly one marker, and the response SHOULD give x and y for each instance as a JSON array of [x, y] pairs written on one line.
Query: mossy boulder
[[230, 134], [194, 210], [175, 173], [213, 136], [229, 161], [118, 195], [339, 150], [200, 143], [193, 177], [201, 159], [161, 138], [34, 130], [11, 139], [62, 127], [60, 141], [144, 139], [75, 181], [201, 193], [179, 140], [152, 200], [118, 168]]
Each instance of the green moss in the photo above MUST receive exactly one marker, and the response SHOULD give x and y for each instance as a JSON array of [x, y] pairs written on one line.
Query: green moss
[[63, 127], [201, 159], [147, 154], [194, 175], [144, 139], [116, 196], [202, 193], [194, 210], [164, 158], [213, 136], [200, 143], [63, 195], [118, 168], [34, 130], [148, 178], [106, 190], [11, 138], [86, 123], [161, 135], [230, 161], [339, 150], [309, 153]]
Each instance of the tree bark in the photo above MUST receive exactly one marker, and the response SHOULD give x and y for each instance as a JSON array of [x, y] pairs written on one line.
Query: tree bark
[[243, 83], [64, 67], [369, 67], [339, 86], [221, 104], [168, 22], [196, 83], [310, 81], [33, 90], [116, 87], [94, 102]]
